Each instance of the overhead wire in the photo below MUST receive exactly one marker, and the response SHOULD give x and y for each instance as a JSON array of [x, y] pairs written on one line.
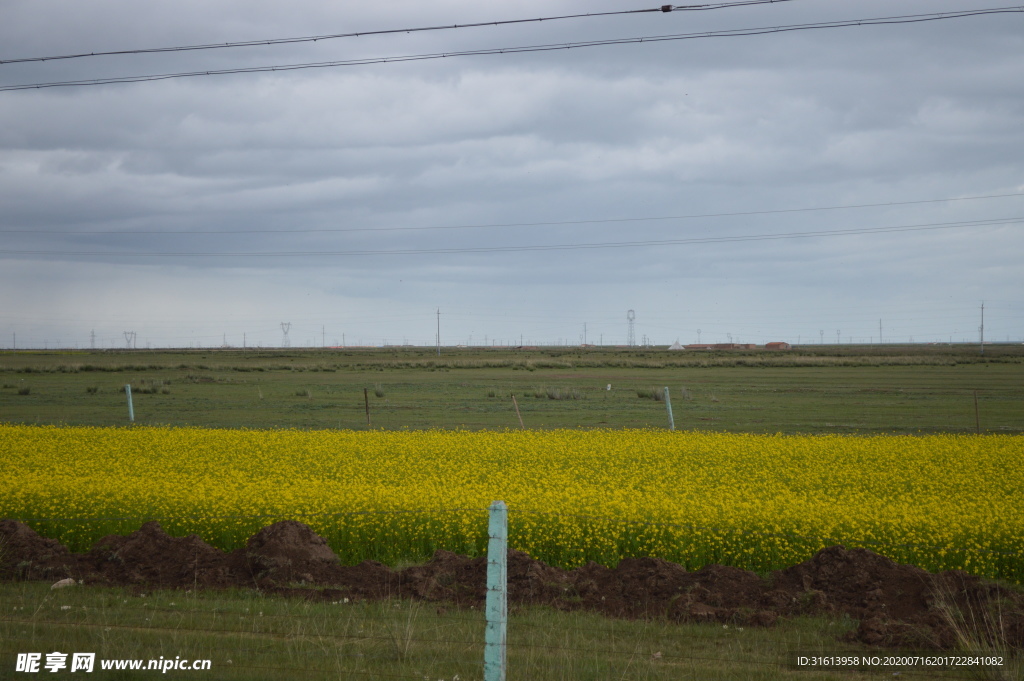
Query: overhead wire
[[506, 224], [726, 33], [357, 34], [538, 247]]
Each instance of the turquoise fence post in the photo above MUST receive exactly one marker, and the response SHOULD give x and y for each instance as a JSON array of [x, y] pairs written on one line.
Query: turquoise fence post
[[668, 406], [131, 412], [497, 593]]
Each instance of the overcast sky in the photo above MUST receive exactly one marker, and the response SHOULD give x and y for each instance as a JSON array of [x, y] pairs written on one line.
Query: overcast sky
[[355, 201]]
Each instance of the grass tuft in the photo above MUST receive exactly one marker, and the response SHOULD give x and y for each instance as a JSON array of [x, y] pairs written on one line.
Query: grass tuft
[[656, 394], [983, 628]]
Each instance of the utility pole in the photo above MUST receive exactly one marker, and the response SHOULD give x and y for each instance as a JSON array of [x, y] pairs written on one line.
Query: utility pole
[[879, 331], [438, 332]]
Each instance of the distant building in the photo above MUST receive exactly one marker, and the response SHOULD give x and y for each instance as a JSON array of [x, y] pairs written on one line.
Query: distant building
[[778, 346], [675, 346]]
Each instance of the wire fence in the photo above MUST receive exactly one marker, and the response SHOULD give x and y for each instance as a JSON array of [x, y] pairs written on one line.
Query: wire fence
[[530, 656]]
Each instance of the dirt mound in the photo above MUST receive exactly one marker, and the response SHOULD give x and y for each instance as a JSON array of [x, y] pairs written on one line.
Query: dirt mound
[[152, 557], [903, 605], [651, 587], [961, 610], [26, 555], [896, 605], [446, 576], [287, 551], [859, 582]]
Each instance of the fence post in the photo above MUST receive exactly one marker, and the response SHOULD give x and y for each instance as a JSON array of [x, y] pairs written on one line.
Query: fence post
[[497, 593], [520, 416], [131, 412], [668, 406]]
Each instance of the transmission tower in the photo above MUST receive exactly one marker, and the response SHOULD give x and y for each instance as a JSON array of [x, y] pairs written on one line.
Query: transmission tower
[[630, 336], [129, 339], [981, 329], [285, 328]]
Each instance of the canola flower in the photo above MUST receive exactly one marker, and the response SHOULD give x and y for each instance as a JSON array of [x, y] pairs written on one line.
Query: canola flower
[[754, 501]]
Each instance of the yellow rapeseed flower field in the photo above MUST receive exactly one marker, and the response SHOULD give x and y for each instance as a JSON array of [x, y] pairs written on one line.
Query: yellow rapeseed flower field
[[758, 502]]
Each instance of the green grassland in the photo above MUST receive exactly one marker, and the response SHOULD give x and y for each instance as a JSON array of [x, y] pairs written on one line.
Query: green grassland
[[812, 389], [250, 636]]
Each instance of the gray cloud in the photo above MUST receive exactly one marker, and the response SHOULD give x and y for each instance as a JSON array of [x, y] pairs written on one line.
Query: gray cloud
[[824, 118]]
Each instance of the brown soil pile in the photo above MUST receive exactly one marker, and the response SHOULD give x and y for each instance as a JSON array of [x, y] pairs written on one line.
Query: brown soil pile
[[896, 605], [284, 553], [150, 556], [26, 555]]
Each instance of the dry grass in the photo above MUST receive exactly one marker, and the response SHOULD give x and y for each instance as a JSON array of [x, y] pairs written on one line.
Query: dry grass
[[984, 625]]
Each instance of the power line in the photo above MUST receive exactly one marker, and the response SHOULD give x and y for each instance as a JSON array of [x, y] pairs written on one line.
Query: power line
[[727, 33], [357, 34], [553, 247], [502, 225]]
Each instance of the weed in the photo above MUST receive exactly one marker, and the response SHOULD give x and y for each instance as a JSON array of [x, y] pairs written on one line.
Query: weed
[[148, 387], [304, 392], [560, 393], [24, 390], [656, 394], [378, 390], [92, 389], [982, 627], [401, 632]]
